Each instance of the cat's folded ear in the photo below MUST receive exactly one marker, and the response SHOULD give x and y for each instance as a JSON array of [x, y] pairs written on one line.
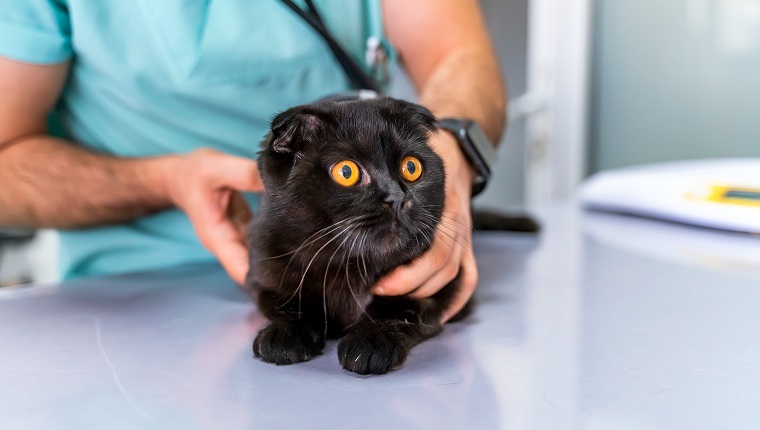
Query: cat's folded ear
[[292, 129], [410, 116], [423, 116]]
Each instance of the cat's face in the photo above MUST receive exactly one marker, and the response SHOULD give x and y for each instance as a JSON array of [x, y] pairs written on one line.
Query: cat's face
[[360, 172]]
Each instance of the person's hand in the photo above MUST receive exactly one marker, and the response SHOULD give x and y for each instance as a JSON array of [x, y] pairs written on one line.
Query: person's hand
[[451, 251], [206, 185]]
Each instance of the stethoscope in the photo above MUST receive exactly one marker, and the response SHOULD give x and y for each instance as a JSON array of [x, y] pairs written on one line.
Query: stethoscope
[[376, 52]]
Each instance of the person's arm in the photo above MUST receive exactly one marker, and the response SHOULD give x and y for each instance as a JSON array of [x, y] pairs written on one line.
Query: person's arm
[[48, 182], [446, 50]]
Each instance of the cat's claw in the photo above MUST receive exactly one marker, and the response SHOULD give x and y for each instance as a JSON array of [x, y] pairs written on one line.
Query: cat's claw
[[288, 343], [372, 352]]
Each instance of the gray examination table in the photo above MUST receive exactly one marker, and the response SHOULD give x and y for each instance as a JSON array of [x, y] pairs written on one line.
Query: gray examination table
[[572, 330]]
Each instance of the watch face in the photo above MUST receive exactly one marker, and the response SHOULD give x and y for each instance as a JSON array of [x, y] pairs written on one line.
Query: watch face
[[482, 144]]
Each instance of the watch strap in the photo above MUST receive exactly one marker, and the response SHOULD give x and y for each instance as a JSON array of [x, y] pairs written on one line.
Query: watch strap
[[476, 148]]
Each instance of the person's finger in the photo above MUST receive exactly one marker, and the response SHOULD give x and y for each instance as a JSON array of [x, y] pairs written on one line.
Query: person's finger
[[442, 277], [407, 278], [234, 258], [239, 173], [239, 213], [459, 244], [227, 242], [469, 280], [231, 252]]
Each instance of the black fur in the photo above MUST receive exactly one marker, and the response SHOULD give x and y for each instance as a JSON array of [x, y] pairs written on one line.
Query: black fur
[[488, 220], [316, 247]]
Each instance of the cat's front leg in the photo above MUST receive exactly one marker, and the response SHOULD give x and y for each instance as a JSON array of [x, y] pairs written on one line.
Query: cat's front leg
[[381, 340], [290, 337], [288, 342]]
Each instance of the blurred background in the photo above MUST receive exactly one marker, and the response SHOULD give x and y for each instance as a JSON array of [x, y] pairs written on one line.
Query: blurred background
[[602, 84], [593, 85]]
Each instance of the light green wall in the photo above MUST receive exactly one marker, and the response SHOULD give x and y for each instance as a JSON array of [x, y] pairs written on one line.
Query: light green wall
[[674, 79]]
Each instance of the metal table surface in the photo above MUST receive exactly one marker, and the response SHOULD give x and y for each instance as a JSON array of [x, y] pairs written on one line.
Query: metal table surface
[[601, 322]]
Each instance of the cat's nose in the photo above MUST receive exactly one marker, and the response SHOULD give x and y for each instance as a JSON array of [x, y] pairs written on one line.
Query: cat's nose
[[395, 201]]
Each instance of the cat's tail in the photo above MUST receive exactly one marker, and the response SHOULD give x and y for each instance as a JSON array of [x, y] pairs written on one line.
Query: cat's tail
[[488, 220]]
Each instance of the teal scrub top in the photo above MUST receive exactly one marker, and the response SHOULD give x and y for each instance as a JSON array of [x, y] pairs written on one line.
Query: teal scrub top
[[152, 77]]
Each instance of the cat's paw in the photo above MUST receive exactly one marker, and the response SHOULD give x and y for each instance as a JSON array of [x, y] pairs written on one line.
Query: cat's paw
[[372, 350], [288, 343]]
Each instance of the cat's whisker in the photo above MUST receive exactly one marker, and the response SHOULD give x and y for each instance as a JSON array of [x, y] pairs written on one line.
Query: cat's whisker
[[443, 231], [427, 235], [303, 244], [451, 231], [429, 224], [457, 218], [454, 234], [303, 276], [348, 258], [436, 222], [337, 271], [326, 231], [360, 260], [443, 241], [450, 214], [431, 206], [466, 249], [417, 238], [324, 280], [287, 266], [364, 262], [450, 245], [351, 290]]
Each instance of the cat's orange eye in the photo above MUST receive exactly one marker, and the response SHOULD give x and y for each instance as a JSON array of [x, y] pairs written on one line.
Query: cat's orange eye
[[345, 173], [411, 169]]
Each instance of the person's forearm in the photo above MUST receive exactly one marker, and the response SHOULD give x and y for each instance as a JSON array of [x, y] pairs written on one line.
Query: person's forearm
[[467, 83], [445, 48], [48, 182]]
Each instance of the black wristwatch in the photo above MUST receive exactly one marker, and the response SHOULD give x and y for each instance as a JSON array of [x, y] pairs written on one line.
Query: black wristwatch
[[476, 147]]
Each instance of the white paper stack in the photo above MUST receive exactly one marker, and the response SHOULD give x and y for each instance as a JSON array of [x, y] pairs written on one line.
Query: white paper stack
[[722, 193]]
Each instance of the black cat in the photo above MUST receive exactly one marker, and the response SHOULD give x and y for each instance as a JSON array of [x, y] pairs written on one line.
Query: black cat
[[353, 191]]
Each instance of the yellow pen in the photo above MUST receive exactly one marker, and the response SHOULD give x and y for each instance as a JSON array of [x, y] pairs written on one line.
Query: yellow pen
[[727, 194]]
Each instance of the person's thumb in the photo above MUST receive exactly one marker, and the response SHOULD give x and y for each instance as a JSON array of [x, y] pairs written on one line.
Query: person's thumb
[[239, 173]]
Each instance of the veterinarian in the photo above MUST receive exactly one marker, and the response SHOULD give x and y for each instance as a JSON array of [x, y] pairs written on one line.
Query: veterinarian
[[163, 103]]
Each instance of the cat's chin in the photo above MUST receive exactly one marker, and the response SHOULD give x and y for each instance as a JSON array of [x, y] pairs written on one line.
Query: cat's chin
[[398, 246]]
